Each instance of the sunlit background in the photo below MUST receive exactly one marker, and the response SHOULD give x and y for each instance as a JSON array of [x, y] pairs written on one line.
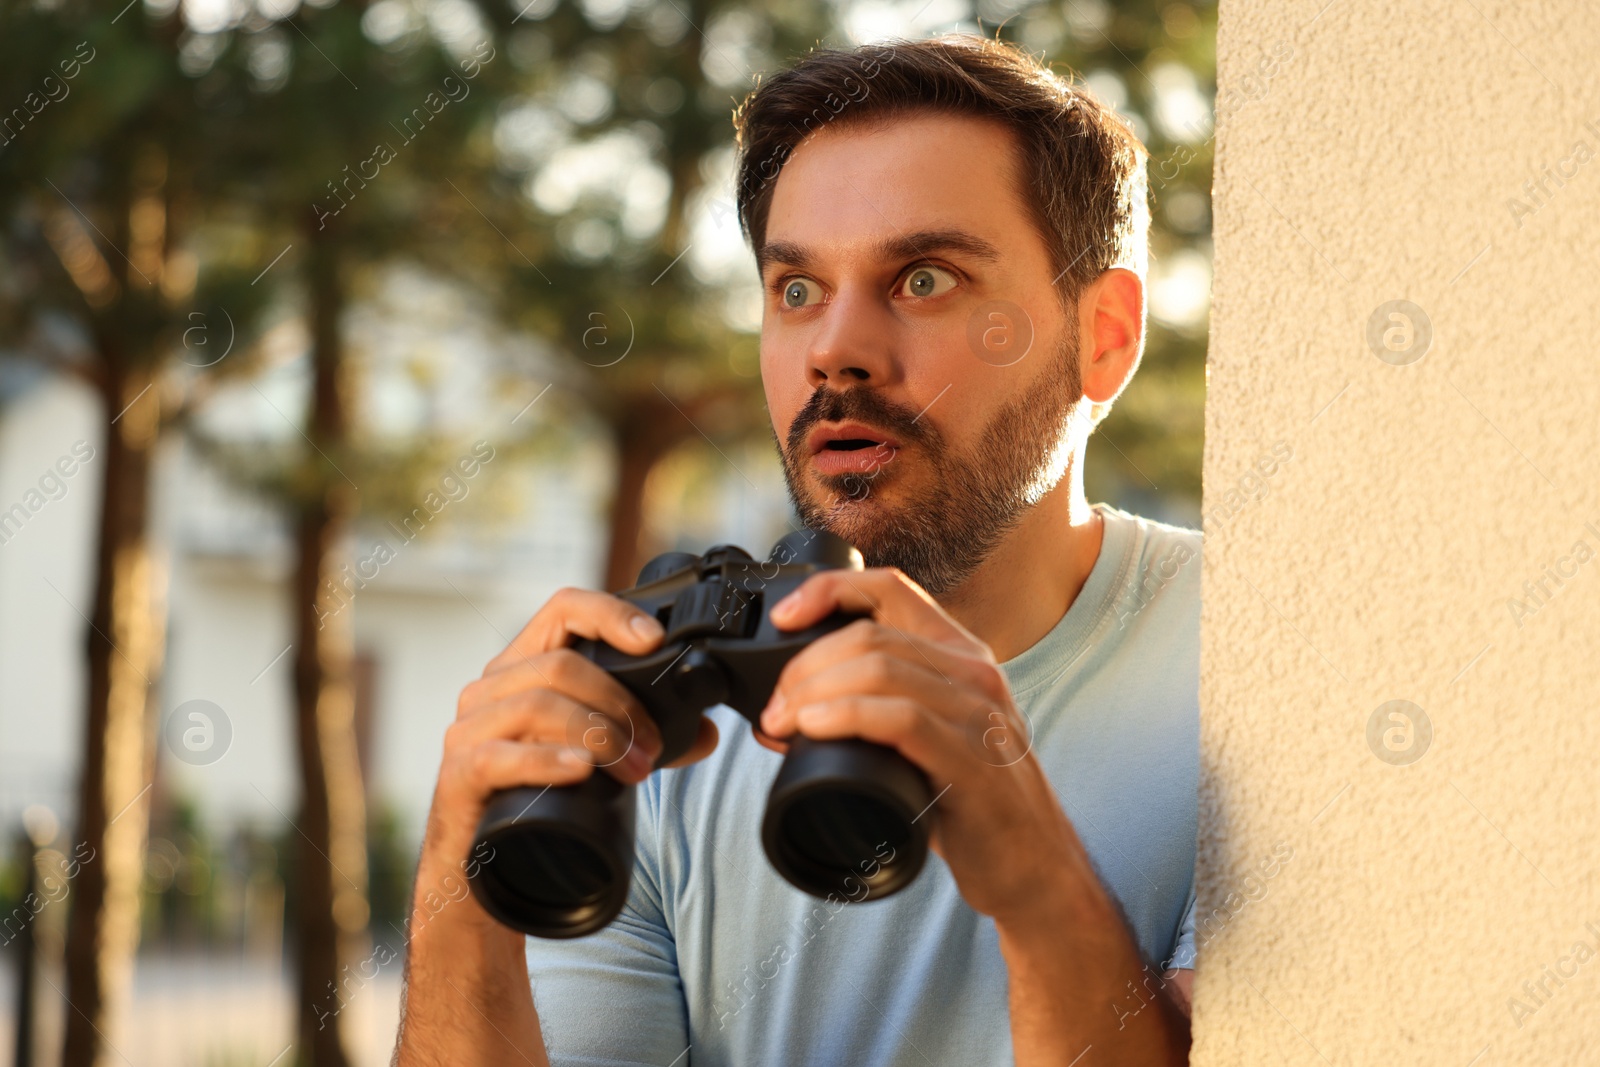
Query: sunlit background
[[435, 305]]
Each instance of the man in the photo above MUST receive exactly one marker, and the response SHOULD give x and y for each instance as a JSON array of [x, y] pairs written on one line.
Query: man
[[952, 244]]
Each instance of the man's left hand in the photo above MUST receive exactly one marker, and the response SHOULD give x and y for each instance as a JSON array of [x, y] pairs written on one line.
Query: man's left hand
[[911, 677]]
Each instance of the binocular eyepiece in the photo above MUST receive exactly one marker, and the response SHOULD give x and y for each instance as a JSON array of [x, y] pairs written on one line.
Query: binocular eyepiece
[[842, 816]]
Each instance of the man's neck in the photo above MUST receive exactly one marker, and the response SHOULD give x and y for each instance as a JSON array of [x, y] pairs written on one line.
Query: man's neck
[[1030, 580]]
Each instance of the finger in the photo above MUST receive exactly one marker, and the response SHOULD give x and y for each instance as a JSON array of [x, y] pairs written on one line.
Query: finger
[[504, 764], [582, 613], [884, 593], [880, 671], [565, 671], [899, 722], [765, 740], [960, 669], [545, 716], [705, 743]]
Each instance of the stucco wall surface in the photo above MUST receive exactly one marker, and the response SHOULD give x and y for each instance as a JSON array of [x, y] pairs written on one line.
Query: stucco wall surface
[[1400, 688]]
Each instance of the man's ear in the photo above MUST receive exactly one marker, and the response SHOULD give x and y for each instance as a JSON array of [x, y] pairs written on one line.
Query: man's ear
[[1111, 320]]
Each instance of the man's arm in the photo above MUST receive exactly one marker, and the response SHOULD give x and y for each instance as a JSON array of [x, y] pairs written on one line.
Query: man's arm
[[1181, 985], [914, 678], [1079, 992], [467, 997]]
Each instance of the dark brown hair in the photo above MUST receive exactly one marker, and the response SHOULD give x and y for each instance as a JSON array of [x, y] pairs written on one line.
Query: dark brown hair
[[1082, 168]]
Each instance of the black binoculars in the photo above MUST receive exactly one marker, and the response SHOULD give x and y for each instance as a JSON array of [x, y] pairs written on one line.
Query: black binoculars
[[840, 812]]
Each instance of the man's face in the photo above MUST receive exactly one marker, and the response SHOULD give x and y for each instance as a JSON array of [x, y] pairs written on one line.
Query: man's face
[[915, 417]]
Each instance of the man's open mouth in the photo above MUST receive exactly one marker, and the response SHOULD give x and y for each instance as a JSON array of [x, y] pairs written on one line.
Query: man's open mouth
[[850, 448], [849, 437]]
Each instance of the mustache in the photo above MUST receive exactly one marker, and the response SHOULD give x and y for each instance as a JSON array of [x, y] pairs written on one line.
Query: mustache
[[859, 405]]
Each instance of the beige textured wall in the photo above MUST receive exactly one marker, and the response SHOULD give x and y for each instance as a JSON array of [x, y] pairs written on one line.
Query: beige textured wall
[[1369, 896]]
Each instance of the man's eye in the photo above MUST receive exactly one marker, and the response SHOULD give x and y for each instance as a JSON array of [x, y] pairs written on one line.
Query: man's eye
[[928, 281], [798, 292]]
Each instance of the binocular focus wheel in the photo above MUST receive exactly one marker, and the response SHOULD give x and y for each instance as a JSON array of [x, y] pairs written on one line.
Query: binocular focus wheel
[[665, 564], [817, 547]]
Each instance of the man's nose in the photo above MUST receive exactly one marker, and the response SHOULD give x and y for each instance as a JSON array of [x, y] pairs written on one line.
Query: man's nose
[[854, 343]]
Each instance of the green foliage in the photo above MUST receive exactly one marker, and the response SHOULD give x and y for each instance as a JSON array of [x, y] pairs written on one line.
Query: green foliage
[[14, 858], [182, 901], [201, 891], [390, 863]]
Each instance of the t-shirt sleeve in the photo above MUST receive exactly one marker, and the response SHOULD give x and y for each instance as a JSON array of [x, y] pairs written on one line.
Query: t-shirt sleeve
[[1183, 951], [615, 998]]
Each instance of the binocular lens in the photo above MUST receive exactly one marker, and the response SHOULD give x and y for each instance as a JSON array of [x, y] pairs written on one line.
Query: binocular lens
[[550, 869], [843, 815], [563, 857], [843, 834]]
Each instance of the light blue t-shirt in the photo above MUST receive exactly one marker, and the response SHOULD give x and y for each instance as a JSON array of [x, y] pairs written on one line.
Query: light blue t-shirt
[[716, 961]]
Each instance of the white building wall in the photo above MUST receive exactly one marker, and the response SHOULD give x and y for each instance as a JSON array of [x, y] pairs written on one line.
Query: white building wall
[[44, 585]]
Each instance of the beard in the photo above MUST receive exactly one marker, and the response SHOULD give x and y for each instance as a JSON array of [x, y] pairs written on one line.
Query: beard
[[950, 519]]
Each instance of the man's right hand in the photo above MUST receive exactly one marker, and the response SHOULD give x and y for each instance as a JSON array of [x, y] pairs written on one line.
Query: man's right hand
[[541, 714]]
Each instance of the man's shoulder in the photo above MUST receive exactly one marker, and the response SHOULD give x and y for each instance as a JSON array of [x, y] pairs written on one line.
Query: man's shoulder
[[1162, 575], [1158, 537]]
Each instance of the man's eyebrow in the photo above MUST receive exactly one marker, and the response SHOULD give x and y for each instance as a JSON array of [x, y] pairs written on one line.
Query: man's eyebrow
[[901, 246]]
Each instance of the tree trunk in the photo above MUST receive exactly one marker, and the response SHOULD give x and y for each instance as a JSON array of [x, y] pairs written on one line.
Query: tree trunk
[[643, 430], [625, 551], [331, 881], [124, 645], [27, 954]]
